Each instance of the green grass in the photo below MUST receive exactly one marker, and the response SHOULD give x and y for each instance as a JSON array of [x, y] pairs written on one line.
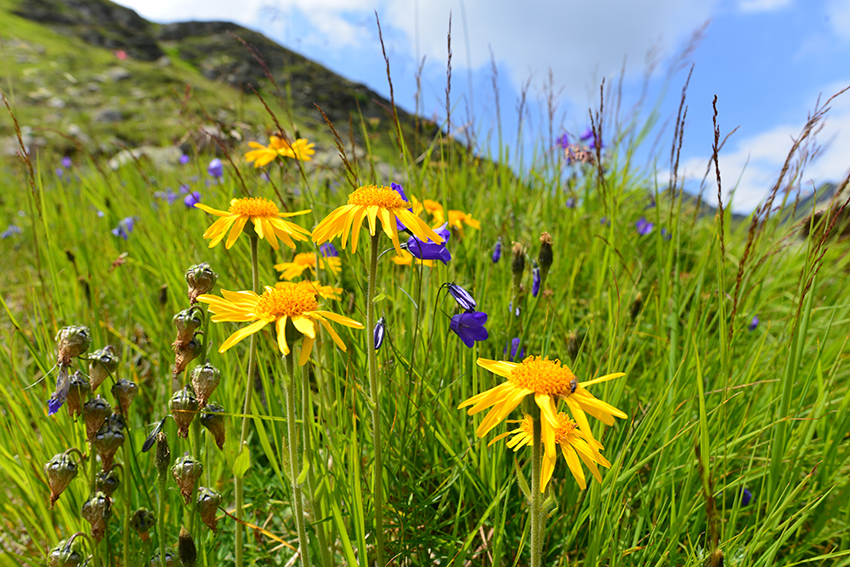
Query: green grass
[[708, 416]]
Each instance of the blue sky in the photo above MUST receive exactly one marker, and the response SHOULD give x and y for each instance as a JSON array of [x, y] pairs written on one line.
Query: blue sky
[[766, 60]]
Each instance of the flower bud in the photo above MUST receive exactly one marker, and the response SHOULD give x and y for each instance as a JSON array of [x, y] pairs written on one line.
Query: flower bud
[[201, 279], [186, 471], [170, 560], [636, 306], [163, 295], [206, 504], [186, 354], [96, 510], [64, 555], [186, 549], [108, 481], [109, 439], [95, 412], [78, 392], [163, 454], [205, 378], [143, 520], [102, 363], [497, 250], [212, 419], [124, 391], [379, 332], [187, 322], [545, 257], [184, 406], [60, 471], [518, 263], [72, 342]]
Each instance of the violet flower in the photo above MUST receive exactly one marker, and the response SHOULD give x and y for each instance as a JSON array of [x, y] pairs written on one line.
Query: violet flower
[[535, 276], [665, 234], [571, 202], [430, 250], [191, 199], [184, 159], [497, 250], [514, 345], [400, 190], [643, 226], [563, 141], [746, 496], [11, 231], [328, 250], [754, 323], [470, 327], [464, 298], [215, 168], [380, 331], [125, 227], [587, 134]]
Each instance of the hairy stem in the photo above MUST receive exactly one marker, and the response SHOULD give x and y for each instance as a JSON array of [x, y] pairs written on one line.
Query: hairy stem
[[375, 393], [292, 444], [315, 502]]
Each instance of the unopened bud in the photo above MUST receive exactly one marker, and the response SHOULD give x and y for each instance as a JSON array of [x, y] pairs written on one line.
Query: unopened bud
[[102, 364], [143, 520], [60, 471], [163, 295], [109, 439], [212, 418], [64, 555], [187, 322], [186, 548], [206, 504], [96, 510], [545, 257], [636, 306], [518, 262], [125, 391], [108, 481], [201, 279], [205, 378], [170, 560], [72, 342], [186, 354], [184, 406], [186, 471], [78, 392], [163, 454], [95, 412]]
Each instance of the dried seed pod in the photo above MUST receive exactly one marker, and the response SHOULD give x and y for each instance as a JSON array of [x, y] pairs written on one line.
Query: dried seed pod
[[96, 510], [60, 471], [78, 392], [187, 322], [186, 549], [206, 504], [186, 471], [186, 354], [170, 560], [212, 419], [109, 439], [143, 520], [205, 378], [108, 481], [64, 555], [72, 342], [124, 391], [201, 279], [102, 364], [184, 406], [95, 412]]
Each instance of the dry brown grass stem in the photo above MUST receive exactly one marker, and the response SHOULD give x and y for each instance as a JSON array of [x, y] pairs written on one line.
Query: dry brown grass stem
[[390, 81]]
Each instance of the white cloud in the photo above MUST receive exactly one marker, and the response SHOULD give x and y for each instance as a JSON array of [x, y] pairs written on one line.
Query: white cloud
[[763, 5], [838, 12], [758, 159]]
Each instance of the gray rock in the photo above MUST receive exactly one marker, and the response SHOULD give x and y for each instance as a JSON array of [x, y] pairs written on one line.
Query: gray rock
[[161, 158], [56, 102], [164, 61], [40, 94], [117, 73], [108, 115]]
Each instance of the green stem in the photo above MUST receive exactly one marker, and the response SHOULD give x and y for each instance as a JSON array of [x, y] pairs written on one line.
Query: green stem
[[196, 445], [536, 496], [162, 479], [375, 393], [314, 501], [292, 444], [125, 474], [92, 489], [249, 388]]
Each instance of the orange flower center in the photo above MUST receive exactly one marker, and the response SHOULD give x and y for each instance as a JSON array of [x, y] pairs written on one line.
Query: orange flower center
[[563, 432], [544, 376], [384, 197], [253, 207], [286, 299]]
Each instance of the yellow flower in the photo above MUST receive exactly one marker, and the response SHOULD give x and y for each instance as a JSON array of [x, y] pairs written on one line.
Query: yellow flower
[[574, 446], [323, 291], [302, 150], [264, 214], [548, 382], [307, 260], [263, 155], [406, 259], [373, 203], [458, 218], [283, 304], [434, 209]]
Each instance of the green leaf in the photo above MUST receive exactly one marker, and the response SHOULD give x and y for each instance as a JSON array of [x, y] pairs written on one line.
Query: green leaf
[[302, 476], [242, 463], [523, 484]]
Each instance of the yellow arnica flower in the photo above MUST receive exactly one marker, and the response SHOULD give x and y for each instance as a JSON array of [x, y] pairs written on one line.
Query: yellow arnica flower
[[307, 260], [263, 155], [302, 150], [434, 209], [406, 259], [458, 218], [323, 291], [283, 304], [573, 443], [373, 203], [264, 214], [548, 382]]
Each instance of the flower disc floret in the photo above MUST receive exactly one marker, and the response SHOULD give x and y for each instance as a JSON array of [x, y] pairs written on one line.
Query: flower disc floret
[[543, 376], [267, 220], [253, 207], [372, 195], [285, 299]]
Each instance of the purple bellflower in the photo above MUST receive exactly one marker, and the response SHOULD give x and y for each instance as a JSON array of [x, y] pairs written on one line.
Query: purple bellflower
[[746, 496], [125, 227], [66, 162], [514, 345], [184, 159], [400, 190], [470, 327], [380, 331], [192, 198], [563, 141], [328, 250], [11, 231], [535, 276], [215, 168], [643, 226], [497, 250], [464, 298], [429, 250], [754, 323]]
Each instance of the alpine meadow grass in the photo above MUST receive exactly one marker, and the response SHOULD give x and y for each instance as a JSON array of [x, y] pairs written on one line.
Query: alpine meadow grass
[[579, 286]]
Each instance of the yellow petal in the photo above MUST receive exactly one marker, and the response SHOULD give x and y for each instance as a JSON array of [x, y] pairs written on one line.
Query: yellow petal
[[306, 349], [241, 334], [235, 231], [281, 335], [305, 326], [211, 210], [498, 367]]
